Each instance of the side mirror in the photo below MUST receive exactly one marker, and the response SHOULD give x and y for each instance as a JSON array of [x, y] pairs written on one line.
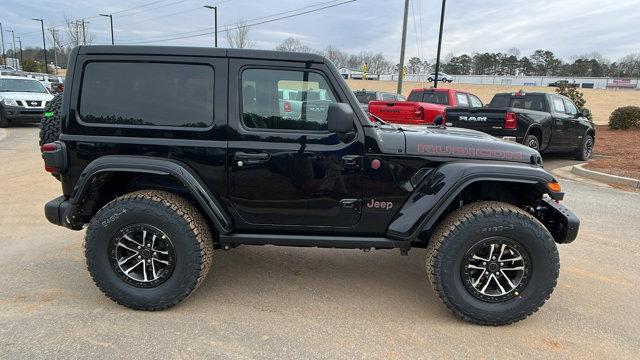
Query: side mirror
[[340, 118], [585, 112]]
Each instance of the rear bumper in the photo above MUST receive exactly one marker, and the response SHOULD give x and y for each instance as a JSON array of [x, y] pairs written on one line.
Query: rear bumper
[[61, 212], [561, 222]]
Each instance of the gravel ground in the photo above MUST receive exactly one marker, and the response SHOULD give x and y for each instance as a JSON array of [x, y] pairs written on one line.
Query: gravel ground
[[269, 302]]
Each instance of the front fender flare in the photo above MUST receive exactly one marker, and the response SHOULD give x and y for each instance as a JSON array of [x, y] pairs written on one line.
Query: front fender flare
[[443, 184], [150, 165]]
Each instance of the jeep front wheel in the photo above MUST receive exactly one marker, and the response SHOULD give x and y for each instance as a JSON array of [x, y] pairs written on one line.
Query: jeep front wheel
[[492, 263], [148, 250]]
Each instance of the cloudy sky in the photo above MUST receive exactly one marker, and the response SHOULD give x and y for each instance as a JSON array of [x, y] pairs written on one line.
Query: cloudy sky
[[567, 27]]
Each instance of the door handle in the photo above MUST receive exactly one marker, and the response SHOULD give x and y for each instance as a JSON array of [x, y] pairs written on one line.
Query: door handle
[[351, 161], [252, 156]]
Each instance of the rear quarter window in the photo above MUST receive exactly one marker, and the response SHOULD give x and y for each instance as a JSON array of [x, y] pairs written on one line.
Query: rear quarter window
[[147, 94]]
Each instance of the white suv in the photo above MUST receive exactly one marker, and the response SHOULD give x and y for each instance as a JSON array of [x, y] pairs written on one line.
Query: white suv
[[21, 99]]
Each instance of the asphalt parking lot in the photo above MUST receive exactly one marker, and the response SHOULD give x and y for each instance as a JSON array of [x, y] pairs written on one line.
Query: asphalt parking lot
[[269, 302]]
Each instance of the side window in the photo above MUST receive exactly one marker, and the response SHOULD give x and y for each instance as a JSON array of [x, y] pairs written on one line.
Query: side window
[[462, 99], [570, 108], [474, 101], [558, 105], [400, 98], [388, 97], [153, 94], [263, 109]]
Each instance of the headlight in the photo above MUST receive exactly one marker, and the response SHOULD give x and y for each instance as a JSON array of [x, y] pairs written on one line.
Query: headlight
[[9, 102]]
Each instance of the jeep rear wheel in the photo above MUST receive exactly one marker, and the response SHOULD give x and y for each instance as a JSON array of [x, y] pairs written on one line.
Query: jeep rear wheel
[[492, 263], [148, 250]]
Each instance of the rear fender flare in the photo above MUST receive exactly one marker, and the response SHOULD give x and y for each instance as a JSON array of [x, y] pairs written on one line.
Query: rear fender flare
[[150, 165], [443, 184]]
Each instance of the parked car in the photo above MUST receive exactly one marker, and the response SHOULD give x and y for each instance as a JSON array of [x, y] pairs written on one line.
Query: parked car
[[441, 77], [542, 121], [49, 81], [563, 82], [423, 106], [161, 175], [364, 96], [7, 68], [21, 99]]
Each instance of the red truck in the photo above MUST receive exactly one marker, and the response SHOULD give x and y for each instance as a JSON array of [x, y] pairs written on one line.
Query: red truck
[[423, 106]]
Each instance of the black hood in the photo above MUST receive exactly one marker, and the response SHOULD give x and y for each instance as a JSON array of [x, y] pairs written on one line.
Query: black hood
[[457, 143]]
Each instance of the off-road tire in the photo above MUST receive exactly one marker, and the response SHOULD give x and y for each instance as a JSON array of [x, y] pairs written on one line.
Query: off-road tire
[[586, 148], [469, 225], [50, 121], [532, 141], [178, 219]]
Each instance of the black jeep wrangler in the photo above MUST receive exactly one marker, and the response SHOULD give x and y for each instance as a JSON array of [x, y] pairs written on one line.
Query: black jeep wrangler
[[167, 153]]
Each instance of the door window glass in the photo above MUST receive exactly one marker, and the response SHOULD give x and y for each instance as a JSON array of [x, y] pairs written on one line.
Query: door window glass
[[475, 102], [558, 105], [570, 108], [462, 99], [263, 108]]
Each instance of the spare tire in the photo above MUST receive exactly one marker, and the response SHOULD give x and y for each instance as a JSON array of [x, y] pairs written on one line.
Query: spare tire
[[50, 122]]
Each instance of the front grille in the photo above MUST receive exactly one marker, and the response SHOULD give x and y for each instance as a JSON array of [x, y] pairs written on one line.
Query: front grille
[[19, 103], [31, 112], [33, 103]]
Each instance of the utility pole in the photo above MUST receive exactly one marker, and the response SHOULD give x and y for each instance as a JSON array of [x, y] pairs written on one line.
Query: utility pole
[[110, 16], [13, 36], [84, 34], [403, 43], [4, 54], [21, 60], [54, 35], [215, 22], [435, 84], [44, 46]]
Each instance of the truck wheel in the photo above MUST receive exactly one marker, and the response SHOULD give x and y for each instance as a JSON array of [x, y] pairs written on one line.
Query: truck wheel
[[492, 263], [532, 141], [148, 250], [50, 121], [586, 148]]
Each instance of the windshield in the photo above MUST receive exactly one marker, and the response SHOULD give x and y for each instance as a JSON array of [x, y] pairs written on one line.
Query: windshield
[[365, 97], [21, 85], [431, 97]]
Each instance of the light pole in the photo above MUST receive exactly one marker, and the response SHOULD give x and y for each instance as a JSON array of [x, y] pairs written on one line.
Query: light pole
[[110, 16], [44, 46], [4, 54], [215, 21], [402, 45], [435, 84]]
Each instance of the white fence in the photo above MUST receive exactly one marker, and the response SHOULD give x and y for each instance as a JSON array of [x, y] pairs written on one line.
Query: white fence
[[597, 83]]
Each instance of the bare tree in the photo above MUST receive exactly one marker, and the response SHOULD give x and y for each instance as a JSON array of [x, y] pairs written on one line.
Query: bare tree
[[238, 35], [338, 57], [293, 45], [73, 32]]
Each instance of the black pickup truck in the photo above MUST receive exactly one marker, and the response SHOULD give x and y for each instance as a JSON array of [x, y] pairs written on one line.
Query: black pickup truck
[[167, 153], [545, 122]]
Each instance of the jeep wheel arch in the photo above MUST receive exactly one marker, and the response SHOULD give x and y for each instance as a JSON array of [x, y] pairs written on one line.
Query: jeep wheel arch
[[436, 192], [110, 164]]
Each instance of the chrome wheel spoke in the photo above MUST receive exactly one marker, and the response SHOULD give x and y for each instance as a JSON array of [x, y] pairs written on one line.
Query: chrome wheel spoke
[[126, 236]]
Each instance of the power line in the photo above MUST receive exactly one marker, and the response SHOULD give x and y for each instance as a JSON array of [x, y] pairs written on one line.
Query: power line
[[152, 9], [138, 7], [172, 14], [209, 31]]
